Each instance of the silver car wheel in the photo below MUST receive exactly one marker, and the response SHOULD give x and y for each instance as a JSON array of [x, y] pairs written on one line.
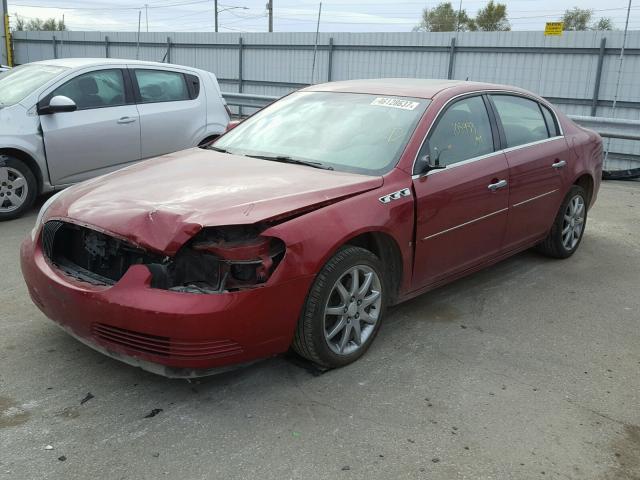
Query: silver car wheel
[[14, 189], [352, 310], [573, 223]]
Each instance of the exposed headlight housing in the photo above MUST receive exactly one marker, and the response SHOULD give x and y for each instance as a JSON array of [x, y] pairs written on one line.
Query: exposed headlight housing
[[220, 259], [42, 211]]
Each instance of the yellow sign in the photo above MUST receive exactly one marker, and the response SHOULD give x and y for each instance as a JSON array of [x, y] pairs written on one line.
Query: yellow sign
[[554, 28], [7, 33]]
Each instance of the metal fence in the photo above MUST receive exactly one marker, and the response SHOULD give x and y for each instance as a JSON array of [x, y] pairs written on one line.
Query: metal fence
[[577, 71]]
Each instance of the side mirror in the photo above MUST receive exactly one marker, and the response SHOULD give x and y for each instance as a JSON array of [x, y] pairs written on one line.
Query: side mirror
[[58, 104], [425, 164]]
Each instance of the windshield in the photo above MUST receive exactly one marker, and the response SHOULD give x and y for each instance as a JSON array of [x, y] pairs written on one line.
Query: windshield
[[17, 83], [350, 132]]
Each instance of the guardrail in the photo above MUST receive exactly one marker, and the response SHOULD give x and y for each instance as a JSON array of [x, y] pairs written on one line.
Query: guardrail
[[610, 127], [248, 99], [606, 127]]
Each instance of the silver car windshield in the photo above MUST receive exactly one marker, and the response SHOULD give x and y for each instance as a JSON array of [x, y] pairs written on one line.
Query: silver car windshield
[[350, 132], [17, 83]]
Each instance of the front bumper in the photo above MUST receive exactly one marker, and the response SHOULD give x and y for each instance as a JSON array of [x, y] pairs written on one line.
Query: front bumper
[[170, 333]]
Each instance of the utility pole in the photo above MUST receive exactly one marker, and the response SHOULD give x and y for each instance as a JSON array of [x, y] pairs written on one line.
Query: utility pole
[[270, 11], [315, 47], [146, 14], [138, 40], [215, 7], [5, 35]]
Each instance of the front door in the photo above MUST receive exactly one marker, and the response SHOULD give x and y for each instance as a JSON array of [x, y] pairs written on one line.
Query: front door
[[461, 208], [103, 134]]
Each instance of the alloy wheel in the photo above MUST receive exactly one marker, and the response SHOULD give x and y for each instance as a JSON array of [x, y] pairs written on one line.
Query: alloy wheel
[[14, 189], [352, 310], [573, 223]]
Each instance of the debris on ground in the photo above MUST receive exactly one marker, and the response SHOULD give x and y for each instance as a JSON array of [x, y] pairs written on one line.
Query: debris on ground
[[48, 447], [345, 468], [62, 458], [88, 397], [153, 413]]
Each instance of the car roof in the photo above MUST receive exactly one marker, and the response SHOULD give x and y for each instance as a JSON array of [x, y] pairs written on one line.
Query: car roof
[[405, 87], [94, 62]]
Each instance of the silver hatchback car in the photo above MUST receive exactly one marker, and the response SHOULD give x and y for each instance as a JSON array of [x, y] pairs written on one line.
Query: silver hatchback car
[[68, 120]]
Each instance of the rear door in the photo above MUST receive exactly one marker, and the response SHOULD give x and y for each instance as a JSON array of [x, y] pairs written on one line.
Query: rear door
[[462, 208], [172, 108], [103, 134], [537, 155]]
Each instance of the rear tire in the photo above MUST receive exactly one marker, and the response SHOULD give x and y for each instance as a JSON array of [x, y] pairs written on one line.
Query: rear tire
[[568, 227], [342, 316], [18, 188]]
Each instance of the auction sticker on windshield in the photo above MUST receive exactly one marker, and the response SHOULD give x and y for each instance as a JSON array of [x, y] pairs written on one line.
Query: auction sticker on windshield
[[395, 103]]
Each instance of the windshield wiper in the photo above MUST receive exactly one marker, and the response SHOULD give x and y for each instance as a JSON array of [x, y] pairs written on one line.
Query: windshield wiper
[[217, 149], [294, 161]]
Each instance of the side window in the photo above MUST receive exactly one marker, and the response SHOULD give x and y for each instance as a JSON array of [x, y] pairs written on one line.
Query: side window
[[161, 86], [461, 133], [521, 118], [102, 88], [552, 127]]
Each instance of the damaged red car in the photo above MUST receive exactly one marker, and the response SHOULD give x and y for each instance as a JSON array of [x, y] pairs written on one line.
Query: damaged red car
[[300, 226]]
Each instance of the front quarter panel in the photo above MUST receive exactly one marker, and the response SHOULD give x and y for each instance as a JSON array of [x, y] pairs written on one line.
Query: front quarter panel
[[312, 239], [20, 130]]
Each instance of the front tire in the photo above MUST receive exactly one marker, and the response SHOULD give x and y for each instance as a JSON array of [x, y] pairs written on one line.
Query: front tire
[[568, 227], [343, 310], [18, 188]]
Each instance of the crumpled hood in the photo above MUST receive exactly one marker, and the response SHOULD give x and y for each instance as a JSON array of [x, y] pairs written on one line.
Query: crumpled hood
[[162, 202]]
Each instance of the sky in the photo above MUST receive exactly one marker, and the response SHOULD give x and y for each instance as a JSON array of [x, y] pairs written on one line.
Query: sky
[[295, 16]]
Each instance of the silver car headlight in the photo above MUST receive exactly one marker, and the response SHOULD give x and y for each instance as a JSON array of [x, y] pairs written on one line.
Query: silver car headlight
[[43, 210]]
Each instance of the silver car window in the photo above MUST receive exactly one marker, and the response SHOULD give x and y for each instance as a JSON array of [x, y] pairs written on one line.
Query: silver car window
[[102, 88], [17, 83], [161, 86]]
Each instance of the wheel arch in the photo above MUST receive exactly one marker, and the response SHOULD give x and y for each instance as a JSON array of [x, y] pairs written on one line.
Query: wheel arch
[[386, 248], [208, 139], [29, 161], [586, 181]]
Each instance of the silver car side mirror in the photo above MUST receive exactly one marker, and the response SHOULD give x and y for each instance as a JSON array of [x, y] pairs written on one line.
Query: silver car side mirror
[[58, 104]]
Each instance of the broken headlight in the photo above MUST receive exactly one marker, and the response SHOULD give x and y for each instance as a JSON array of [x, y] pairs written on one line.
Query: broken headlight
[[42, 212], [220, 259]]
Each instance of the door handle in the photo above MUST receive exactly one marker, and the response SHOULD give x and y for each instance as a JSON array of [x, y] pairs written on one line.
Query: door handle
[[499, 184], [559, 164], [124, 120]]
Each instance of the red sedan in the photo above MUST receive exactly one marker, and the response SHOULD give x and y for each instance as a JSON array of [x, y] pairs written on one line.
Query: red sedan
[[300, 226]]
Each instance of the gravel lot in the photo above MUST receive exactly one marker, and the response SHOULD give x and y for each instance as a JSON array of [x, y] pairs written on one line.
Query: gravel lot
[[530, 369]]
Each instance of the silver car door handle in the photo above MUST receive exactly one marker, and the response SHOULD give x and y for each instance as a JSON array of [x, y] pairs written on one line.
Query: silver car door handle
[[559, 164], [495, 186], [126, 120]]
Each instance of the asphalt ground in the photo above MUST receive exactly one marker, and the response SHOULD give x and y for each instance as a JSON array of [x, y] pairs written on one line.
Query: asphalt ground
[[529, 369]]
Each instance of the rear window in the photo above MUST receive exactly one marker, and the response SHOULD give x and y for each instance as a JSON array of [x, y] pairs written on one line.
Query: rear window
[[521, 118], [161, 86], [552, 126]]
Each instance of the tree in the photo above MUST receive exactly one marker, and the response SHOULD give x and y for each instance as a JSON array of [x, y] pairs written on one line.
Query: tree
[[604, 23], [37, 24], [491, 18], [444, 18], [577, 19]]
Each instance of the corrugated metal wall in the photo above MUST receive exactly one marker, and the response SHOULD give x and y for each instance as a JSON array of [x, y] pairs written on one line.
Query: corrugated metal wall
[[563, 69]]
